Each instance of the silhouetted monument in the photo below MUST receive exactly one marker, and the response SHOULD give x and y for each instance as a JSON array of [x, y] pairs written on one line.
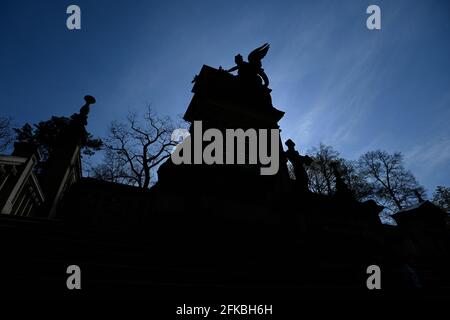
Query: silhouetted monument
[[212, 228], [223, 101]]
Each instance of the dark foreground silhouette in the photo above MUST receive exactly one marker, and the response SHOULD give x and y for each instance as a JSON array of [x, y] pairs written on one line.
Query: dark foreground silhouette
[[213, 230]]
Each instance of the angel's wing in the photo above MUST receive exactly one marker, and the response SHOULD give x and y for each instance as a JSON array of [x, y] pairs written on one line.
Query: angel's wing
[[259, 53]]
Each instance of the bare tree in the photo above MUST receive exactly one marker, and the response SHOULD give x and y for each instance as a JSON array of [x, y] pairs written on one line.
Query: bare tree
[[441, 198], [320, 172], [134, 149], [360, 188], [113, 169], [6, 134], [393, 185]]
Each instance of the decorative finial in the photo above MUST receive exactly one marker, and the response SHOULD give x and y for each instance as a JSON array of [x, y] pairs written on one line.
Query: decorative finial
[[89, 99], [85, 109]]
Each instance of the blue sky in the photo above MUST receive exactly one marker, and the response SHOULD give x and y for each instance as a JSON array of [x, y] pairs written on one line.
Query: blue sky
[[338, 82]]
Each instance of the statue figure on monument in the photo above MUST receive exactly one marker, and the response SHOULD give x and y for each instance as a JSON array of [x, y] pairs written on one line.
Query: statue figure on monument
[[298, 162], [252, 72]]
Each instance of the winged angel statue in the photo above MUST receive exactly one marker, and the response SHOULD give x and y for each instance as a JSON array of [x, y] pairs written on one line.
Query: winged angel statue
[[252, 71]]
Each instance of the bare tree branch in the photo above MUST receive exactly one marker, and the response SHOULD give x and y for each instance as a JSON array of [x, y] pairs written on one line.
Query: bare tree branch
[[393, 185], [141, 145]]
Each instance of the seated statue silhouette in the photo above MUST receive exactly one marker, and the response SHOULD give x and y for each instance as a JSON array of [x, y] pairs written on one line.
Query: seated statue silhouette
[[251, 72]]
